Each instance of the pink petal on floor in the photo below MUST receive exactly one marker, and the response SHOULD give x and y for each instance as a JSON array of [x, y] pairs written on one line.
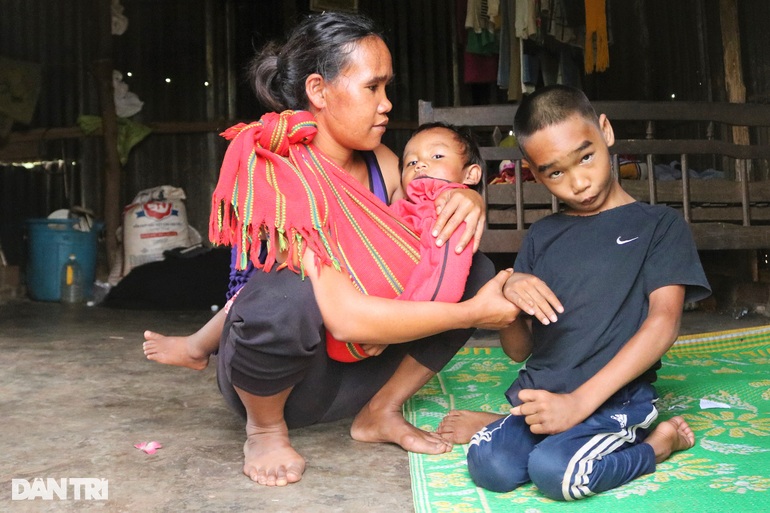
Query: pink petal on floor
[[149, 447]]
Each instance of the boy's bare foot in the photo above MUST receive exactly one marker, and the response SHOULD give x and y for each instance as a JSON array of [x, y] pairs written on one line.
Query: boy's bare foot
[[181, 351], [459, 426], [389, 425], [670, 436], [269, 458]]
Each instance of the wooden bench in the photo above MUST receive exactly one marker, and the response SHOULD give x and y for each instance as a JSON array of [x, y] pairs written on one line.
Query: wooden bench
[[724, 213]]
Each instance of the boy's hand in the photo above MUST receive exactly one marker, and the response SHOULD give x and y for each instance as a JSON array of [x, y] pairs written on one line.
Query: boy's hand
[[548, 413], [455, 206], [533, 296]]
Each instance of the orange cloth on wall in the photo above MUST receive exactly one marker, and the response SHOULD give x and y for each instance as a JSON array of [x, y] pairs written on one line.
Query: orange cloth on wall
[[597, 51]]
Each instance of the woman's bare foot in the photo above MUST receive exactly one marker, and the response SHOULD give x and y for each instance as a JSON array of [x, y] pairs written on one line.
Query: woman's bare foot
[[389, 425], [269, 458], [670, 436], [459, 426], [180, 351]]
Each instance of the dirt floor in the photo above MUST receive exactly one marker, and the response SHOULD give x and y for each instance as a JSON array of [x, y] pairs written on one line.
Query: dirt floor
[[76, 394]]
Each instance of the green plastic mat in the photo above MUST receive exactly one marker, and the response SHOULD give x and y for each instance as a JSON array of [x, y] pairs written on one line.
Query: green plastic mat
[[719, 382]]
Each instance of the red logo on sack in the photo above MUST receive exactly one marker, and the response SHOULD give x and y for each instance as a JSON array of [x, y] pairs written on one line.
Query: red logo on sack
[[158, 209]]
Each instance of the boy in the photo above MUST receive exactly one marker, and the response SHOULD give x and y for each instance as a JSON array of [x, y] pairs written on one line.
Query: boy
[[437, 157], [606, 279]]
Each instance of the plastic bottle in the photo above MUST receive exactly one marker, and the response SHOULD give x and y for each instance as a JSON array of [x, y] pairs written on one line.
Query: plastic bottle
[[71, 281]]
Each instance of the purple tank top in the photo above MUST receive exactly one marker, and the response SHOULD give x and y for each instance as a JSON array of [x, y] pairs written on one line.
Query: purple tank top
[[376, 181], [238, 278]]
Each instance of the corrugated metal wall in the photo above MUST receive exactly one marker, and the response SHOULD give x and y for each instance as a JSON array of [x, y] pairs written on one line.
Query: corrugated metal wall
[[53, 35], [659, 47], [164, 39], [174, 51], [657, 51]]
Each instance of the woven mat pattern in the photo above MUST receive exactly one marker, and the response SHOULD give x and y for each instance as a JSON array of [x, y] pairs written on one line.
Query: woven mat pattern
[[720, 383]]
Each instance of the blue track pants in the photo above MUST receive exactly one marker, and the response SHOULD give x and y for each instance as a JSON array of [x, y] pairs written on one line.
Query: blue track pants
[[601, 453]]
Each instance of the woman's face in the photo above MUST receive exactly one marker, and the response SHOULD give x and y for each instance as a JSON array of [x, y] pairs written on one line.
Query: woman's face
[[354, 113]]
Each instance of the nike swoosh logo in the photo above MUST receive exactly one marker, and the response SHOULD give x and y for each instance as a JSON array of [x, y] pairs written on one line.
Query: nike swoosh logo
[[619, 241]]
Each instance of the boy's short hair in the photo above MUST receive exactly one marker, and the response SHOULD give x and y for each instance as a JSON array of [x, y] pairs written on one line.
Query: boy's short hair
[[464, 137], [549, 106]]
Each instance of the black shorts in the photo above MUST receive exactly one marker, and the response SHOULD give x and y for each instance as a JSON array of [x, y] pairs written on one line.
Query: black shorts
[[274, 339]]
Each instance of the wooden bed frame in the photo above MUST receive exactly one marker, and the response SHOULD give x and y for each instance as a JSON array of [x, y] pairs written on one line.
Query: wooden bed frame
[[724, 214]]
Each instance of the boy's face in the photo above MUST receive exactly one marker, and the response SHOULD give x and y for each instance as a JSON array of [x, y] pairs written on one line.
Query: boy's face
[[438, 154], [572, 160]]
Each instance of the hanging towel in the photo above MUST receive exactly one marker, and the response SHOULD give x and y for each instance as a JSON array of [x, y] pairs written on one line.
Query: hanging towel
[[597, 51]]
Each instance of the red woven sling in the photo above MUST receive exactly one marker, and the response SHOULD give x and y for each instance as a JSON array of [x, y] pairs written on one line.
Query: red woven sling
[[441, 273], [274, 181]]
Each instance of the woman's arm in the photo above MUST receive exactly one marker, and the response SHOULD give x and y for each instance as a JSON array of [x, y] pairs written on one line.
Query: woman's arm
[[350, 315]]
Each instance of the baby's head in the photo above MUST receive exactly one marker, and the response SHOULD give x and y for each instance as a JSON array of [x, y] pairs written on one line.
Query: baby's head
[[443, 151]]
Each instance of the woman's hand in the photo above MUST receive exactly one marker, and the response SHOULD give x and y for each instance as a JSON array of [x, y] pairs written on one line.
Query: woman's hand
[[489, 308], [455, 206]]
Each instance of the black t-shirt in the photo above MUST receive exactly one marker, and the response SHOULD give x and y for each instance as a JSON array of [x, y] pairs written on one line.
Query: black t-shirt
[[603, 269]]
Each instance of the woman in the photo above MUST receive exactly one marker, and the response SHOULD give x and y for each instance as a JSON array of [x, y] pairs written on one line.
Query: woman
[[273, 365]]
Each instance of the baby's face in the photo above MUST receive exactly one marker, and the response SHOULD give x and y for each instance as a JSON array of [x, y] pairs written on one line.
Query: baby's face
[[435, 153]]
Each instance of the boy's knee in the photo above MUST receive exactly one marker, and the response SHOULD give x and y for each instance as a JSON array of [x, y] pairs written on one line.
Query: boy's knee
[[547, 471], [493, 472]]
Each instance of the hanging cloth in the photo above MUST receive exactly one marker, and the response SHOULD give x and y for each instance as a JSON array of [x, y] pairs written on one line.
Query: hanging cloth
[[597, 52]]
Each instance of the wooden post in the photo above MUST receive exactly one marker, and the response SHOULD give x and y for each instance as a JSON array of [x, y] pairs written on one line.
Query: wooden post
[[736, 89], [736, 93], [731, 44], [102, 70]]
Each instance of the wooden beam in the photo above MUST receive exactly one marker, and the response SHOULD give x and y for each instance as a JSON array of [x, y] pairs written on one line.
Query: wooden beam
[[708, 236], [165, 127]]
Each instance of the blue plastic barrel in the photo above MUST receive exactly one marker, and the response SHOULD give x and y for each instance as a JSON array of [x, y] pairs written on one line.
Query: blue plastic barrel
[[50, 242]]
